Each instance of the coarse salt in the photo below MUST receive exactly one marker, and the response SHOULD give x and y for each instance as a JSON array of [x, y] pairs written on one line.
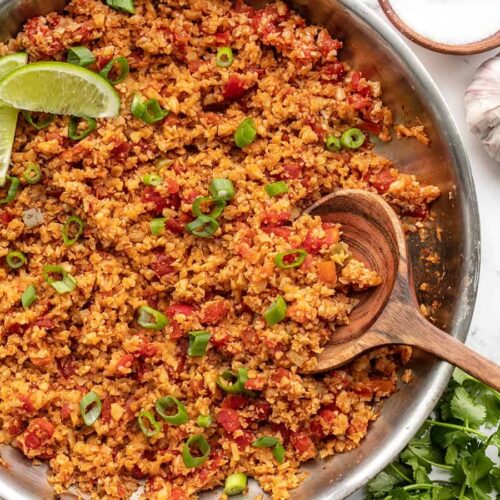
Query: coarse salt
[[452, 22]]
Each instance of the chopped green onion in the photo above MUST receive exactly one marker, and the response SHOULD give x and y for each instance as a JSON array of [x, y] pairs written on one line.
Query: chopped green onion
[[32, 174], [235, 484], [148, 424], [90, 408], [222, 189], [167, 402], [276, 188], [216, 212], [332, 143], [15, 259], [201, 443], [124, 70], [123, 5], [352, 138], [73, 219], [279, 453], [198, 342], [74, 121], [271, 442], [224, 57], [265, 442], [11, 193], [151, 179], [38, 125], [157, 225], [28, 296], [300, 256], [81, 56], [148, 111], [231, 382], [66, 284], [151, 318], [276, 312], [245, 134], [204, 421], [203, 226]]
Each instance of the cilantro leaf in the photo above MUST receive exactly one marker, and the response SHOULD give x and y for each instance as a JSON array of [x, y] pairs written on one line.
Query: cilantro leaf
[[385, 482], [443, 493], [474, 470], [462, 406], [495, 478]]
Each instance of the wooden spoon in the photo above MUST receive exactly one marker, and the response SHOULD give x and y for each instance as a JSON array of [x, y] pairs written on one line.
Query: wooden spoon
[[387, 314]]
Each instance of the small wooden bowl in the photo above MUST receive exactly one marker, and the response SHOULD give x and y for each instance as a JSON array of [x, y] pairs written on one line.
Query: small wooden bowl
[[492, 42]]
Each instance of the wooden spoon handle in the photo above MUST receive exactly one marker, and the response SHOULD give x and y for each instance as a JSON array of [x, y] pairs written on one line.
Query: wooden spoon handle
[[430, 339]]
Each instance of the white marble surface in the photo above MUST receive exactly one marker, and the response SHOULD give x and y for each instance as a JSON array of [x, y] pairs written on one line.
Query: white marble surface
[[453, 74]]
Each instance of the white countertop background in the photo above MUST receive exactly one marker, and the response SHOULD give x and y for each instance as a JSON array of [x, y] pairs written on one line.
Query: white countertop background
[[453, 75]]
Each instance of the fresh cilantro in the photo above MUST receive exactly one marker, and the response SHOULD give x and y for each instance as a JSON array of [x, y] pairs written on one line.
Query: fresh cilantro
[[454, 442]]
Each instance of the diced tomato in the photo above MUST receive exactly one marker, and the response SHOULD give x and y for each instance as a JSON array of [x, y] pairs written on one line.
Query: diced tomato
[[229, 419], [162, 265], [316, 428], [222, 39], [327, 415], [120, 151], [311, 243], [245, 440], [292, 170], [371, 127], [44, 322], [355, 79], [219, 339], [177, 331], [177, 224], [234, 401], [327, 45], [15, 428], [159, 202], [191, 196], [280, 374], [147, 350], [284, 232], [125, 361], [185, 309], [66, 366], [327, 272], [275, 217], [382, 180], [214, 312], [359, 102], [106, 409], [177, 494], [263, 410], [301, 441], [27, 404], [172, 186], [65, 411], [5, 217], [255, 384], [332, 71], [332, 233], [234, 88], [39, 431]]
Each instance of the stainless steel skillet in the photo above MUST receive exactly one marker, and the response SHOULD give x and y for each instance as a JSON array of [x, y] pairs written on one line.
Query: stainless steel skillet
[[381, 54]]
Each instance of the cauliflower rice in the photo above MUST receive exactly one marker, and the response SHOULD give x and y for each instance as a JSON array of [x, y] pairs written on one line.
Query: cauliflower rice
[[286, 75]]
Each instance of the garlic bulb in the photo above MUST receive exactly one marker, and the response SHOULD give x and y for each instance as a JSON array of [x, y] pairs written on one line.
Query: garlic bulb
[[482, 104]]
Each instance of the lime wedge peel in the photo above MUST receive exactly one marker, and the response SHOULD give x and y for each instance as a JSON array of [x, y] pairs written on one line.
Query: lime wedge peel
[[61, 89], [8, 116]]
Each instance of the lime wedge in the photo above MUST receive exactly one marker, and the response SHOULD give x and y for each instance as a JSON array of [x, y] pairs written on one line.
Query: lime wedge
[[61, 89], [8, 116]]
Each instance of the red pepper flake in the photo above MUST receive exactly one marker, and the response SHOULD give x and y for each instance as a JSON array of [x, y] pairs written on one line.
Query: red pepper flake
[[177, 224], [185, 309], [222, 39], [292, 170], [262, 410], [234, 88], [106, 409], [44, 322], [229, 419]]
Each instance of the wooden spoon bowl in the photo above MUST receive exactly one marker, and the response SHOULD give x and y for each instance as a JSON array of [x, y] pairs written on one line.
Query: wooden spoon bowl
[[387, 314], [489, 43]]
